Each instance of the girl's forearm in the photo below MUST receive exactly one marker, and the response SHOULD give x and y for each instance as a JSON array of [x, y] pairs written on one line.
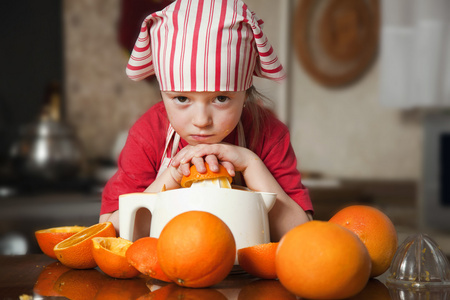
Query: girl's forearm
[[166, 179], [286, 213]]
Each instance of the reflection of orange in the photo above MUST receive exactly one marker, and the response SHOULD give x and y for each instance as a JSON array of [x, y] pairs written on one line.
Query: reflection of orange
[[322, 260], [48, 238], [48, 277], [123, 289], [259, 260], [196, 249], [142, 254], [374, 290], [76, 251], [80, 284], [109, 255], [161, 293], [195, 176], [265, 290], [375, 230], [173, 291]]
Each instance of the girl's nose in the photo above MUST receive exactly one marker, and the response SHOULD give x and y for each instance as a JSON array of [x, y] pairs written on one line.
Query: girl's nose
[[202, 117]]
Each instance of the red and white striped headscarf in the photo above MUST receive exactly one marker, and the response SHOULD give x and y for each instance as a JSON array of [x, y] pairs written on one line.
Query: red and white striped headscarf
[[204, 45]]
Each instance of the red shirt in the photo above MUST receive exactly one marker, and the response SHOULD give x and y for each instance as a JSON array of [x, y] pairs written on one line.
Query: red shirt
[[140, 159]]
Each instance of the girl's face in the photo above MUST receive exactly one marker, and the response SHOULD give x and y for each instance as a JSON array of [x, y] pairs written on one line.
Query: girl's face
[[204, 117]]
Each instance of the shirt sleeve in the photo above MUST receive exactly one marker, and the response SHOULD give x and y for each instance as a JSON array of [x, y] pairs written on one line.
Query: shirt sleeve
[[138, 163]]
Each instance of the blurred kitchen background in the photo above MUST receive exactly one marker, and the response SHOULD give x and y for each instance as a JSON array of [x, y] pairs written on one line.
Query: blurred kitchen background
[[367, 103]]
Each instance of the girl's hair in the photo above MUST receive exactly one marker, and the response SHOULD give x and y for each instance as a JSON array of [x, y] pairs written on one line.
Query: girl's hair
[[255, 104]]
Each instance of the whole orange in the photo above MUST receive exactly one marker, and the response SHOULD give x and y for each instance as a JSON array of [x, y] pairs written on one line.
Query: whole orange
[[259, 260], [109, 255], [196, 249], [375, 230], [322, 260], [76, 251], [48, 238], [144, 257]]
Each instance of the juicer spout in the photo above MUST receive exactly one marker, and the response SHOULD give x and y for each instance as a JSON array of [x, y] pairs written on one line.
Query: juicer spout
[[269, 199]]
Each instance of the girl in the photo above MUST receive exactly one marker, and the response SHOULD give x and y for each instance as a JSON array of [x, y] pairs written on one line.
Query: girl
[[204, 54]]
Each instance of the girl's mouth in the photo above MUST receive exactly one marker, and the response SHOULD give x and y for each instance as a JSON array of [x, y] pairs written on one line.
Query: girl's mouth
[[201, 137]]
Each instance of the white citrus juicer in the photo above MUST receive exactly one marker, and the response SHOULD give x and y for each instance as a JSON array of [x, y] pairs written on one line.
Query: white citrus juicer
[[244, 211]]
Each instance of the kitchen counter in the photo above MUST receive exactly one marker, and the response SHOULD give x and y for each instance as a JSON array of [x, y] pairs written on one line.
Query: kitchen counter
[[29, 275]]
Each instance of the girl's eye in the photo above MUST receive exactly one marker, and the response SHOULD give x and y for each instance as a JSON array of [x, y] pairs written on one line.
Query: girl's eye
[[181, 99], [221, 99]]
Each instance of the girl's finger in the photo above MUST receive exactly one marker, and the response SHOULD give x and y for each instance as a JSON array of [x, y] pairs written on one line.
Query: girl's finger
[[199, 164], [179, 157], [213, 163], [202, 150], [230, 167], [185, 169]]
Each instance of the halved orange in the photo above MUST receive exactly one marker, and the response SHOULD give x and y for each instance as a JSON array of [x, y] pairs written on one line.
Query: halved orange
[[76, 251], [48, 238], [109, 254], [195, 176], [143, 256], [259, 260]]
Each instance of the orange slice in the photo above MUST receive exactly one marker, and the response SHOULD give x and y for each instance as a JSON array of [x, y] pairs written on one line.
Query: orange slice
[[48, 238], [195, 176], [259, 260], [109, 255], [76, 251], [143, 256]]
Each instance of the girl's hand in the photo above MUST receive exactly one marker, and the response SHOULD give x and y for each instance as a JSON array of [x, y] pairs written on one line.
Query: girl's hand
[[285, 215], [233, 158]]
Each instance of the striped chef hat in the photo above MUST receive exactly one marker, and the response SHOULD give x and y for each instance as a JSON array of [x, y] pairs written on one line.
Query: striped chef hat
[[204, 45]]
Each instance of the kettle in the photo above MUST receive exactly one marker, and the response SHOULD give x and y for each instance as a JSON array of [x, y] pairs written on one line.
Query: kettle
[[48, 148]]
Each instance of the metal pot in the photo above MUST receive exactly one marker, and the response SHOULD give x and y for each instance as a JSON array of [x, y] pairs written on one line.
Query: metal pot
[[47, 150]]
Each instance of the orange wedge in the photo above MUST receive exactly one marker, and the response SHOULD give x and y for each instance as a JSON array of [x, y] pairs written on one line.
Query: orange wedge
[[259, 260], [109, 254], [144, 257], [195, 176], [76, 251], [48, 238]]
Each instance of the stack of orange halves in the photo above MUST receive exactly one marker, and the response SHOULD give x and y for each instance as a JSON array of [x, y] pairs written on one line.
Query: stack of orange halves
[[315, 260]]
